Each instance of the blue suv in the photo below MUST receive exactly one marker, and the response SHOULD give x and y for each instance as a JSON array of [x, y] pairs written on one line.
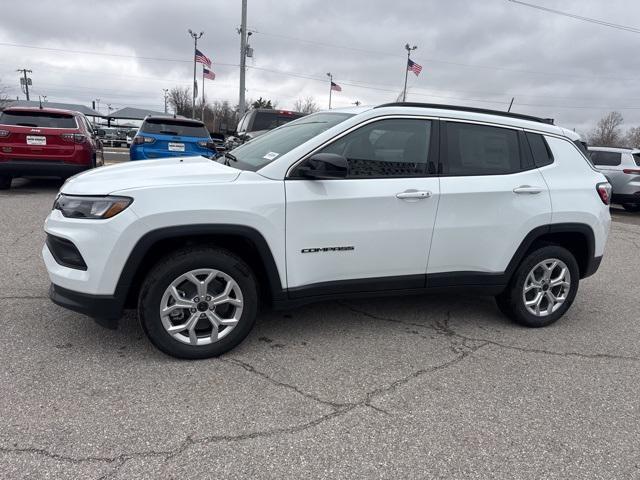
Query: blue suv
[[162, 137]]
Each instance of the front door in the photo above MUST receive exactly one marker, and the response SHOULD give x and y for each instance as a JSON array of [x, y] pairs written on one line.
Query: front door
[[371, 230]]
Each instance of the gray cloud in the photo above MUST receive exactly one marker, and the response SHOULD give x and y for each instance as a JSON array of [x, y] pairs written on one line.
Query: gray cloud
[[473, 52]]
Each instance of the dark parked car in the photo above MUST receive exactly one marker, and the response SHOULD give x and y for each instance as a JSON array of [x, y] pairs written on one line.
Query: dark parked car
[[258, 121], [46, 142]]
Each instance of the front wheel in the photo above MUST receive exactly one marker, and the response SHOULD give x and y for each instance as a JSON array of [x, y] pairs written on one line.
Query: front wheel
[[543, 287], [198, 302]]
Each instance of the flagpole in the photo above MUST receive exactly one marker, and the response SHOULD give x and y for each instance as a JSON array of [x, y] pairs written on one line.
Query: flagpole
[[330, 87], [406, 70], [202, 115], [195, 37]]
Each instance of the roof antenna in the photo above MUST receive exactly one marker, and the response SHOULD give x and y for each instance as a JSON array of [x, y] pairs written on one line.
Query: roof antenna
[[511, 104], [40, 100]]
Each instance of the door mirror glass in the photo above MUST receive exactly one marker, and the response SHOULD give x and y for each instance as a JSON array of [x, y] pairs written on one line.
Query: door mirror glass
[[323, 166]]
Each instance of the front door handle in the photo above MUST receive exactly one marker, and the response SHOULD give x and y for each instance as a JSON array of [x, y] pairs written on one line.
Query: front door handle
[[415, 194], [527, 189]]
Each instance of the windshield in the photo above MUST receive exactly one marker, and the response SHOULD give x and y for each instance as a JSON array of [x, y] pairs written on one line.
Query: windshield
[[266, 148], [166, 126]]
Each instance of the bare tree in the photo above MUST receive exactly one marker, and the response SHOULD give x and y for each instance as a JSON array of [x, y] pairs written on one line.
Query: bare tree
[[608, 131], [4, 99], [180, 100], [632, 139], [306, 105]]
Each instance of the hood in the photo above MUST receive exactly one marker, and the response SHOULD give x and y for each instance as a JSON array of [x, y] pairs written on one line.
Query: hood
[[149, 173]]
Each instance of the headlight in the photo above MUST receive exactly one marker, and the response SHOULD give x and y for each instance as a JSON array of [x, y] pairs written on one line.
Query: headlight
[[73, 206]]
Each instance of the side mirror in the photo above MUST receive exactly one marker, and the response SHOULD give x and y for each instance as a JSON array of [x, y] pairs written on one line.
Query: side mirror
[[324, 166]]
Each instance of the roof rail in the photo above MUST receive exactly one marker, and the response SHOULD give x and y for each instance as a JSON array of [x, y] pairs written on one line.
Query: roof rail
[[461, 108]]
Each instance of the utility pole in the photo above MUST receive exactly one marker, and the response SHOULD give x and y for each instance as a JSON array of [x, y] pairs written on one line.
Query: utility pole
[[330, 87], [406, 70], [25, 81], [243, 57], [195, 37], [166, 94]]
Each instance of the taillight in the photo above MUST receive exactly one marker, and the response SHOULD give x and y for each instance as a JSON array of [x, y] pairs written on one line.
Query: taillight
[[4, 133], [138, 140], [631, 171], [604, 190], [73, 137]]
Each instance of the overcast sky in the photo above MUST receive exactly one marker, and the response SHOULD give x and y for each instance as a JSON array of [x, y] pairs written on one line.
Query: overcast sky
[[473, 52]]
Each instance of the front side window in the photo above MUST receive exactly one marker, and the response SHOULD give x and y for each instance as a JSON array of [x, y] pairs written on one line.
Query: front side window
[[482, 150], [607, 159], [395, 147]]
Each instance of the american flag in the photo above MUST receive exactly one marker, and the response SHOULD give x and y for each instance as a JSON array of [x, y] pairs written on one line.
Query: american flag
[[336, 87], [206, 73], [414, 67], [202, 58]]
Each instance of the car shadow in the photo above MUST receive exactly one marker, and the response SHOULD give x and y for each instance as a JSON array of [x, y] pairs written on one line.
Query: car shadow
[[28, 185]]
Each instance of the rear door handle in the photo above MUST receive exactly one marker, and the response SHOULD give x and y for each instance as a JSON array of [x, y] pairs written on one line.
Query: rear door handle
[[527, 189], [416, 194]]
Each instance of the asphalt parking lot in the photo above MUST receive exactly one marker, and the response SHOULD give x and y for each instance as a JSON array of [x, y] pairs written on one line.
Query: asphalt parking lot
[[415, 387]]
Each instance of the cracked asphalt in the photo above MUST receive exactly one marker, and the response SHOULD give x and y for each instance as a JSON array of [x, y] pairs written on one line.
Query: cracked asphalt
[[413, 387]]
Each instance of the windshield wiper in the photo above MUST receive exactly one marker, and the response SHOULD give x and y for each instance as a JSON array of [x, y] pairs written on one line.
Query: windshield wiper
[[26, 124], [229, 156]]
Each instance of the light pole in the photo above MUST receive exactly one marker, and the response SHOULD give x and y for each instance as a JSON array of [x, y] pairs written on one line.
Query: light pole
[[195, 37], [406, 69], [330, 87], [166, 94]]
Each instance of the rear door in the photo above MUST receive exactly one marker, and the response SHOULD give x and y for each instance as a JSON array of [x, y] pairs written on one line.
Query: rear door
[[371, 230], [36, 135], [491, 197]]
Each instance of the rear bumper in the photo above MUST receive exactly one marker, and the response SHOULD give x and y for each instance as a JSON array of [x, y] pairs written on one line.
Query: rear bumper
[[45, 168], [106, 310]]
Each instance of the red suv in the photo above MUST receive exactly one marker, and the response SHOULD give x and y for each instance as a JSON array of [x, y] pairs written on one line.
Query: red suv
[[46, 142]]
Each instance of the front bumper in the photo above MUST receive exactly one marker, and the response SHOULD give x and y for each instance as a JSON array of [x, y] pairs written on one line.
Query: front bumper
[[45, 168], [106, 310]]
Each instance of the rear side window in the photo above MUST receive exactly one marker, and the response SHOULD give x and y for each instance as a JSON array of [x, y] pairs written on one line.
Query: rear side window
[[608, 159], [482, 150], [37, 119], [541, 152], [167, 126]]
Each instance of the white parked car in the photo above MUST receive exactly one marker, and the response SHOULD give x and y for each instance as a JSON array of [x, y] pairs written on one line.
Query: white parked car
[[621, 167], [400, 198]]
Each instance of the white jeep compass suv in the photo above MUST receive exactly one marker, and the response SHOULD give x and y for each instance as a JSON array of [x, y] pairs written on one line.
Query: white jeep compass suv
[[397, 198]]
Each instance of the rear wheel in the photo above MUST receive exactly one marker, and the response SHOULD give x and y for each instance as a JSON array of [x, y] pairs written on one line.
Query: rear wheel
[[543, 287], [5, 182], [631, 207], [198, 302]]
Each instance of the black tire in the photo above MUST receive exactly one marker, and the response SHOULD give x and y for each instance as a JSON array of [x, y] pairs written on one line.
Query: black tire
[[5, 182], [511, 301], [178, 263], [631, 207]]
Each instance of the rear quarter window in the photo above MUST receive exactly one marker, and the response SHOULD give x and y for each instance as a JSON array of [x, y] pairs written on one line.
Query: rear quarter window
[[636, 158], [606, 159], [541, 152], [38, 119]]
